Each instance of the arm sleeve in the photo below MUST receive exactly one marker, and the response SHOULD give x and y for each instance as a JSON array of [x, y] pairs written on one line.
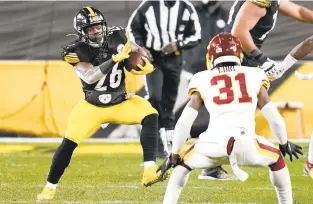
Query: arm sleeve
[[182, 128], [135, 26], [193, 30], [89, 76], [94, 74], [288, 62], [276, 122]]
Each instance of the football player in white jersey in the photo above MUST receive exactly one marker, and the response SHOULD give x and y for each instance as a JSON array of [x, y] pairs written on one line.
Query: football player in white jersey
[[231, 93]]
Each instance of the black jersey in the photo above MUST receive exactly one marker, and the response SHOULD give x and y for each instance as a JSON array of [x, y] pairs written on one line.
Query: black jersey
[[264, 26], [110, 89]]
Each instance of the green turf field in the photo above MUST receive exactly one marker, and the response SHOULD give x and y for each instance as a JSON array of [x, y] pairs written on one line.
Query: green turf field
[[115, 178]]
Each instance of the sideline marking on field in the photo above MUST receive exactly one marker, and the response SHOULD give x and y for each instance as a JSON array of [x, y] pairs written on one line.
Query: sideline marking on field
[[57, 140], [6, 148], [117, 201], [109, 149], [83, 149], [88, 147]]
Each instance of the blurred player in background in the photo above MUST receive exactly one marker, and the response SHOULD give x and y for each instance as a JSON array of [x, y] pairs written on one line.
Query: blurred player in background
[[165, 29], [252, 21], [231, 93], [98, 59], [212, 18]]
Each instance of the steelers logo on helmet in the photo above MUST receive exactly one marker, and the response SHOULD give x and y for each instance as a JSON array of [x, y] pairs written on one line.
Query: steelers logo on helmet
[[91, 26]]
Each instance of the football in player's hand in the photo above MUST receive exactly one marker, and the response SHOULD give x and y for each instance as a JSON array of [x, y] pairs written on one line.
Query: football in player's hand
[[134, 59]]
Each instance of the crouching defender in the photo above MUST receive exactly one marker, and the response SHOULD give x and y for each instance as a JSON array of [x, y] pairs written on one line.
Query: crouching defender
[[99, 57], [231, 93]]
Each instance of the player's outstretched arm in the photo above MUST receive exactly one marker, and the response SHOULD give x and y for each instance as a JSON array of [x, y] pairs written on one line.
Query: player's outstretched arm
[[185, 121], [298, 52], [302, 49], [247, 17], [272, 115], [296, 11], [277, 125]]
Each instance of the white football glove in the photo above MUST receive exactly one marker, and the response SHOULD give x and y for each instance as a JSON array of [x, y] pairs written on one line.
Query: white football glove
[[167, 138], [272, 69]]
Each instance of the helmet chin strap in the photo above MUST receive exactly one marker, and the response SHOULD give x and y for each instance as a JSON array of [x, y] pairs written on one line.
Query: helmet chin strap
[[94, 44]]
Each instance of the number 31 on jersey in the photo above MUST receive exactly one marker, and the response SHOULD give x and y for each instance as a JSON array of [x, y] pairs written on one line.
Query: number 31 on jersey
[[228, 91]]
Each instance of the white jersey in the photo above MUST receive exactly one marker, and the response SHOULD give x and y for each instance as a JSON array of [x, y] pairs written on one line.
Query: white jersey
[[230, 96]]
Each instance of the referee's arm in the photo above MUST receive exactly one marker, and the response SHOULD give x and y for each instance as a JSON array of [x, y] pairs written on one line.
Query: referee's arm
[[192, 35], [135, 25]]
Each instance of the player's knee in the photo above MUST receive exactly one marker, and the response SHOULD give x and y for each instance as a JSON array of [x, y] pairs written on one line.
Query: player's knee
[[149, 110], [150, 120], [73, 136], [67, 145], [155, 101], [279, 164]]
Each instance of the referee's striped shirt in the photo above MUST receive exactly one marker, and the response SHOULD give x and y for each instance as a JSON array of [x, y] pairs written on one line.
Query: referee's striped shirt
[[154, 24]]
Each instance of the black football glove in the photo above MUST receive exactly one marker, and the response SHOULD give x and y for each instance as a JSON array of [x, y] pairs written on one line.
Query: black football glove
[[169, 162], [290, 149], [258, 57]]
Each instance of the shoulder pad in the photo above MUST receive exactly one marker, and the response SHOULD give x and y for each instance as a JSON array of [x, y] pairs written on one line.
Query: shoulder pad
[[71, 46], [118, 33], [69, 55], [194, 83], [115, 29], [262, 3]]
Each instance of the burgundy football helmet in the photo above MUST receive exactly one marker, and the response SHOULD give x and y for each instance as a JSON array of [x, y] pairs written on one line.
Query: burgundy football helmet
[[223, 48]]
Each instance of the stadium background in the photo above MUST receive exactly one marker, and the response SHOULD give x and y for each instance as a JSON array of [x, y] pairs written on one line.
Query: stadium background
[[38, 90]]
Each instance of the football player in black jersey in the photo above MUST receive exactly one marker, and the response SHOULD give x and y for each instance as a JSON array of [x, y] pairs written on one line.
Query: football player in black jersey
[[251, 21], [99, 57]]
